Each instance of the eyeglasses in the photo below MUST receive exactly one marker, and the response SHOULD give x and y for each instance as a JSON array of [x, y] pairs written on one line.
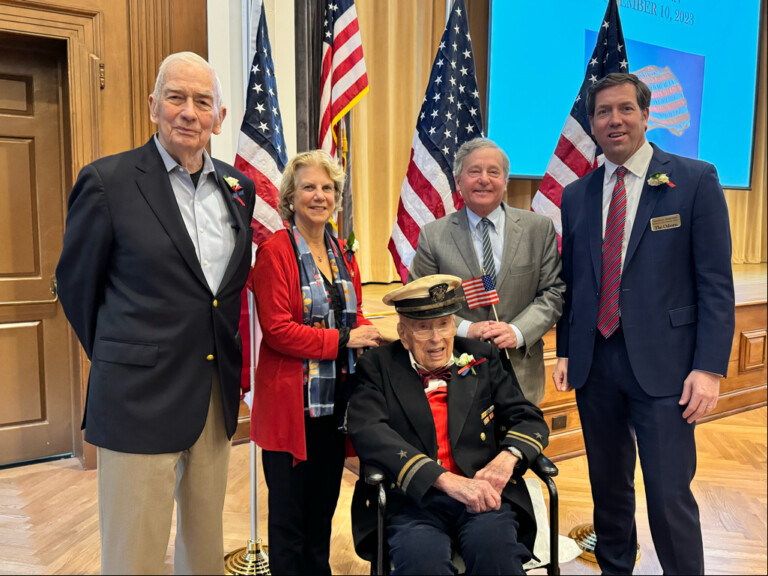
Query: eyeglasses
[[427, 333]]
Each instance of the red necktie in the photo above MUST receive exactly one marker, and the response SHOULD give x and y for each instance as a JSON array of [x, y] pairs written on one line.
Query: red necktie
[[608, 312], [443, 373]]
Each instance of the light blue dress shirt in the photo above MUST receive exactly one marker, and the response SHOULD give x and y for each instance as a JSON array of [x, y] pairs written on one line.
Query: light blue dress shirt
[[205, 214]]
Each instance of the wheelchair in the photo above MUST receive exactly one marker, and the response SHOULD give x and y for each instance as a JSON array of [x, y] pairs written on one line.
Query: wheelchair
[[542, 467]]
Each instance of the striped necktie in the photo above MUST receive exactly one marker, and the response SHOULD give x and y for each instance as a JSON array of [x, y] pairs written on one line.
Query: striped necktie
[[608, 312], [489, 267]]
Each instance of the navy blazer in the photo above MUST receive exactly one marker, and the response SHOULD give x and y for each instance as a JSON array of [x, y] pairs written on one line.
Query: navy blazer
[[133, 289], [676, 299]]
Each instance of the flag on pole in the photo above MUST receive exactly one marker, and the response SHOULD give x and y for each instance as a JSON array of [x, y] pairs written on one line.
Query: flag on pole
[[261, 147], [576, 153], [343, 79], [480, 291], [261, 156], [449, 116]]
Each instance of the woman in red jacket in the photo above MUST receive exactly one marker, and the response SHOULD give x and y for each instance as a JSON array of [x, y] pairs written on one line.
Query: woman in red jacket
[[308, 298]]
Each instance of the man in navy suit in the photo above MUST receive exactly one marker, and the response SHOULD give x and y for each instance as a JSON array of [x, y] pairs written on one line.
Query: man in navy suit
[[156, 252], [647, 325]]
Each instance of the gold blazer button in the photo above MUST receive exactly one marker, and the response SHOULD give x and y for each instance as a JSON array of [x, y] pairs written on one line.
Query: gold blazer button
[[209, 357], [482, 436], [215, 303]]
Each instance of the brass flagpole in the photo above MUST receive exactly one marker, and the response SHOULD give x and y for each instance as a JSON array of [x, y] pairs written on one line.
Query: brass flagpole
[[252, 558]]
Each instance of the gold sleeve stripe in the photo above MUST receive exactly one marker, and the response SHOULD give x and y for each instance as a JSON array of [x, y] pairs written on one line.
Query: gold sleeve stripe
[[526, 439], [406, 466], [412, 473]]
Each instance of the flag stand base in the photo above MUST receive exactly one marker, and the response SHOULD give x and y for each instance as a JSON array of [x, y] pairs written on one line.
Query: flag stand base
[[251, 559], [586, 539]]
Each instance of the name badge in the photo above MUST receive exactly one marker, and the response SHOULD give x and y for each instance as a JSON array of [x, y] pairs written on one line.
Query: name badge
[[665, 222]]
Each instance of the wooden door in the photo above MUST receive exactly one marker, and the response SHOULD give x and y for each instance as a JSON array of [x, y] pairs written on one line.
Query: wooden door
[[37, 419]]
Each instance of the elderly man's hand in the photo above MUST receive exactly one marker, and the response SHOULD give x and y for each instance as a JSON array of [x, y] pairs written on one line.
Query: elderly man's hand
[[364, 336], [476, 330], [499, 470], [501, 334], [477, 495]]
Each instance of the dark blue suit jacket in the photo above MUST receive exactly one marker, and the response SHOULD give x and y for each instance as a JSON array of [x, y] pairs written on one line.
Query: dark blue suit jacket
[[132, 287], [676, 299]]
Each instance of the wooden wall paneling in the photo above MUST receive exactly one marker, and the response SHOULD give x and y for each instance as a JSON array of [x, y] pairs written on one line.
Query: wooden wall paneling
[[159, 28], [150, 42], [189, 26], [752, 350]]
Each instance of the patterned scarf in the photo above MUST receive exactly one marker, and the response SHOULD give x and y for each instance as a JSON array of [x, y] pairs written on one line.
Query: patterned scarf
[[320, 375]]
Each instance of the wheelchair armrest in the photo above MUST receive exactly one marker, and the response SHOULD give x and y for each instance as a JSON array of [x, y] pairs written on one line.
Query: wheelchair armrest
[[373, 476], [376, 478], [543, 467]]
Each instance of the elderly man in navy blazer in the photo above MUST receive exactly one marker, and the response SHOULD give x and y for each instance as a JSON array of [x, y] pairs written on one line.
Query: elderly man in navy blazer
[[156, 253], [647, 325]]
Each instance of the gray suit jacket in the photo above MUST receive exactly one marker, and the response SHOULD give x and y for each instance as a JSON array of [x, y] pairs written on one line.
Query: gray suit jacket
[[529, 284]]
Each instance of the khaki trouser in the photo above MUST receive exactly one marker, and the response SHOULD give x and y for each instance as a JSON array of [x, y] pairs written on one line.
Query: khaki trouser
[[136, 494]]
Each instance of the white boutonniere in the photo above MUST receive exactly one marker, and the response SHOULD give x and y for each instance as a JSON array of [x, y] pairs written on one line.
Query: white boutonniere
[[658, 179], [233, 183], [237, 190], [351, 246], [467, 362]]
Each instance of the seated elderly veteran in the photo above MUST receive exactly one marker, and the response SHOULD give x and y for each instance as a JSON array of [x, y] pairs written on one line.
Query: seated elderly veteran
[[452, 430]]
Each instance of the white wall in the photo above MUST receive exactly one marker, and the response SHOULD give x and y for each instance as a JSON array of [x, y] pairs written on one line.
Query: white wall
[[228, 52]]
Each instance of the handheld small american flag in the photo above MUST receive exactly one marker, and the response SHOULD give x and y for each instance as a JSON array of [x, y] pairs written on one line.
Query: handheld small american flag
[[260, 156], [343, 79], [449, 116], [576, 153], [480, 291]]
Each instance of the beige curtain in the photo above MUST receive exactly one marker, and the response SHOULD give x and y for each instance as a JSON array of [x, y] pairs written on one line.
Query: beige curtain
[[400, 40], [747, 208]]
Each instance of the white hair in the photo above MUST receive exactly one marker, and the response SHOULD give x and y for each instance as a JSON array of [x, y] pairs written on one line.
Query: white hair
[[188, 58]]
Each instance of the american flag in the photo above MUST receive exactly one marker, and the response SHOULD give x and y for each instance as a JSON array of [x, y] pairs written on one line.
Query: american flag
[[260, 156], [261, 146], [449, 116], [343, 79], [576, 153], [480, 291], [669, 108]]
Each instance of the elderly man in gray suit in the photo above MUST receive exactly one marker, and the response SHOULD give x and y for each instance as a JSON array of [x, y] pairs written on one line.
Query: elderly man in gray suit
[[517, 248]]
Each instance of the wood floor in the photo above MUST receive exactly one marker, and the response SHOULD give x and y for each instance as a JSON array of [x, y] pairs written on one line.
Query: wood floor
[[49, 520]]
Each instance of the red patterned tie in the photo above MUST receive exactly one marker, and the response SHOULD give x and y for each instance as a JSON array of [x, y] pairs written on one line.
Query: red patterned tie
[[608, 313]]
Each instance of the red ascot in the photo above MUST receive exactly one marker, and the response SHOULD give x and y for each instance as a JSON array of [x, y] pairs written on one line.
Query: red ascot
[[443, 373]]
